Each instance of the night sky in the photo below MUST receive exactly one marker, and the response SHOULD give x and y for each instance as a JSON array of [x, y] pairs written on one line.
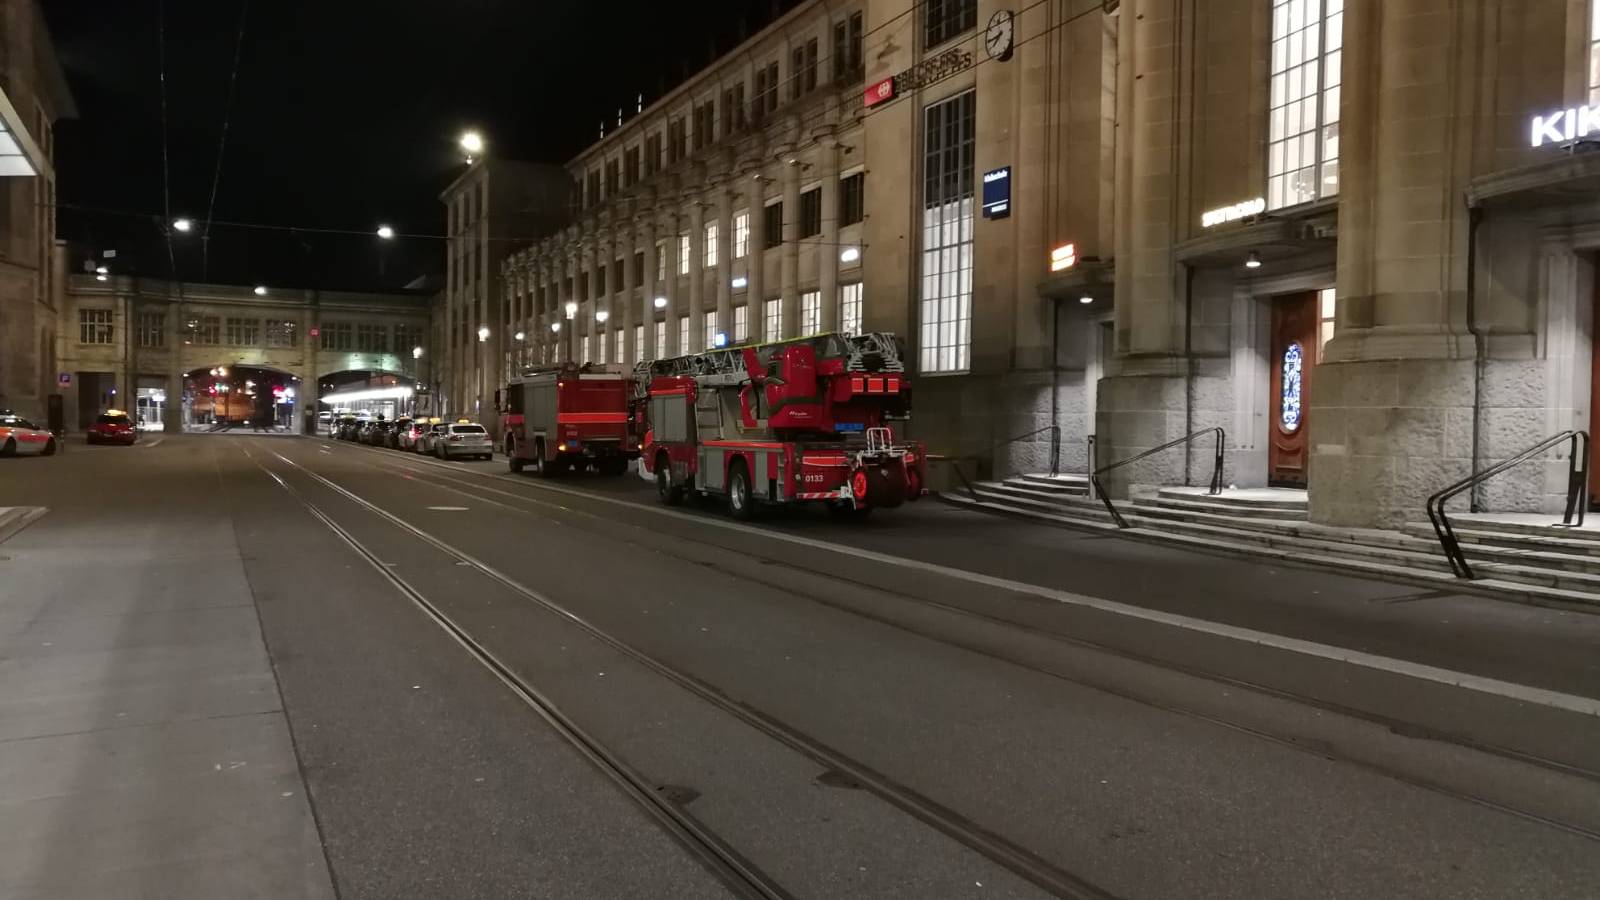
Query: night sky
[[345, 115]]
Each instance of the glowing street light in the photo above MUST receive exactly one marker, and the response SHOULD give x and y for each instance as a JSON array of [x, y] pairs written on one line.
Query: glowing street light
[[555, 327], [386, 232], [661, 303], [416, 352], [472, 144], [183, 225], [521, 336], [261, 290], [483, 333], [572, 309], [102, 270], [602, 315]]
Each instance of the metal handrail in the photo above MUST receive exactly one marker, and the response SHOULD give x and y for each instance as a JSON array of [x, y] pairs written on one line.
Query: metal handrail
[[1055, 445], [1577, 489], [1216, 470]]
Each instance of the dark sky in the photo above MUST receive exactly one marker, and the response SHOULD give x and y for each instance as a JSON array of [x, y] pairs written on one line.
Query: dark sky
[[345, 115]]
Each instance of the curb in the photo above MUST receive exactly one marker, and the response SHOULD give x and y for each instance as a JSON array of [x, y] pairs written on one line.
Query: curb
[[15, 518]]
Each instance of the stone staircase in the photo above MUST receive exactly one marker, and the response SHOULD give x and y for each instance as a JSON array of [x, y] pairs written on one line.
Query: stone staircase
[[1521, 557]]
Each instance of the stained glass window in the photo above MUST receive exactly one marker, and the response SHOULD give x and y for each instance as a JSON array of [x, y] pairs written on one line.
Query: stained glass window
[[1293, 377]]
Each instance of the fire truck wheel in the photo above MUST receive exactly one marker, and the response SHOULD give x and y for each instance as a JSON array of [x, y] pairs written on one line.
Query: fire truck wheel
[[740, 500], [513, 461], [670, 495]]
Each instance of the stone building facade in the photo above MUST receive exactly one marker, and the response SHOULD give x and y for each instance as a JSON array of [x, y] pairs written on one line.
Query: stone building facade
[[1359, 236], [125, 339], [33, 97]]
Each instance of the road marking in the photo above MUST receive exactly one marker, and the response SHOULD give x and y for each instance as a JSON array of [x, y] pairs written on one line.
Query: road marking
[[1421, 671], [448, 508]]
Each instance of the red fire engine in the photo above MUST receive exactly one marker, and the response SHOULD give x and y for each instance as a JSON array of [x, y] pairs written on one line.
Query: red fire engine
[[569, 417], [801, 420]]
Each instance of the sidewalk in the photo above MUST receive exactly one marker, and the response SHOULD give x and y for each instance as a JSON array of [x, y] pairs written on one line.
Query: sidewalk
[[143, 747]]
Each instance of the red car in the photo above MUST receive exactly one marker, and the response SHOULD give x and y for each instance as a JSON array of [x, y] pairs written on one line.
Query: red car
[[113, 427]]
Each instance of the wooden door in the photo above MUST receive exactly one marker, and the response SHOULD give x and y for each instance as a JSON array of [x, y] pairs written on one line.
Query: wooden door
[[1294, 354]]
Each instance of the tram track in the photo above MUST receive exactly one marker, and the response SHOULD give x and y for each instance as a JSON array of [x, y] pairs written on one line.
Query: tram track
[[436, 475], [711, 849]]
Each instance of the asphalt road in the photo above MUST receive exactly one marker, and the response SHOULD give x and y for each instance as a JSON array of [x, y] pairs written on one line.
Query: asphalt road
[[496, 686]]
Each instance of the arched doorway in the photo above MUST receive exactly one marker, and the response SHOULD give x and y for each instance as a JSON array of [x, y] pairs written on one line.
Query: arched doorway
[[227, 396]]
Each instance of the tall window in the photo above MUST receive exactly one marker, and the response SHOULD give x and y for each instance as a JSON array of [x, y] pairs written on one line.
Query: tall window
[[661, 261], [847, 48], [741, 235], [630, 166], [638, 344], [372, 338], [704, 125], [94, 326], [946, 309], [803, 70], [613, 178], [152, 328], [282, 335], [811, 213], [616, 346], [616, 274], [677, 139], [772, 320], [338, 336], [683, 334], [773, 225], [1325, 309], [852, 199], [652, 154], [1594, 54], [588, 347], [711, 331], [591, 191], [947, 18], [683, 254], [661, 339], [405, 338], [766, 91], [741, 322], [850, 308], [1303, 124], [733, 109], [243, 332], [712, 233], [810, 312]]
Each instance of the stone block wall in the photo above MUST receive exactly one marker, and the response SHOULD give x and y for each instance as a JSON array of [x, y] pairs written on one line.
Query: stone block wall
[[973, 416]]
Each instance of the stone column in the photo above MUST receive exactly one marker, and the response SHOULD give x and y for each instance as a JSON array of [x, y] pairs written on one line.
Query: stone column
[[828, 248], [756, 291], [697, 272], [629, 306], [790, 273], [674, 291], [172, 412], [648, 295], [725, 260], [586, 314], [569, 327]]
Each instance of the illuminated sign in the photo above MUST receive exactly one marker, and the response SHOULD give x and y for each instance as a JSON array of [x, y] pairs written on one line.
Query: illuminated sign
[[878, 93], [1565, 126], [1233, 213], [997, 193], [1063, 257]]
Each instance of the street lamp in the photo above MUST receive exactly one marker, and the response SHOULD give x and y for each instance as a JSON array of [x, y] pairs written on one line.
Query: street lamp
[[386, 232], [555, 327], [416, 352], [261, 290], [661, 303], [572, 309], [602, 315], [184, 225], [521, 336], [472, 144], [850, 254], [483, 333]]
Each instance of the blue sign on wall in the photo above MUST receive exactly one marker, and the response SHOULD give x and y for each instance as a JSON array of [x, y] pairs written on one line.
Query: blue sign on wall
[[997, 193]]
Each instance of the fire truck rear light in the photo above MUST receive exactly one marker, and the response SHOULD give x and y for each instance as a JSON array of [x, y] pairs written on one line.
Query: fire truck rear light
[[858, 384]]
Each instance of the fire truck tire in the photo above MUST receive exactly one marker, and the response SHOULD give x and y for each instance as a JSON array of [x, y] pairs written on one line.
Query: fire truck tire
[[741, 500], [670, 495], [513, 461]]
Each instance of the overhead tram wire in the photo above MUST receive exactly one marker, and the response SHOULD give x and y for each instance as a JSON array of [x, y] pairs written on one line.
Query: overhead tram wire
[[166, 166], [222, 141]]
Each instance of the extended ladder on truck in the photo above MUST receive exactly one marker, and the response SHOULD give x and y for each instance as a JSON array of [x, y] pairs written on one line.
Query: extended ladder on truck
[[809, 419]]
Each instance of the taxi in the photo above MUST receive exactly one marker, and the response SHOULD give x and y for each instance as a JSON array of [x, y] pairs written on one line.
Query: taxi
[[463, 437], [412, 437], [113, 427], [20, 437]]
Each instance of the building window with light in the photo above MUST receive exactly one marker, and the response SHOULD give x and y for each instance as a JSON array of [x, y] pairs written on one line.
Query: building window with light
[[810, 312], [772, 320], [94, 326], [850, 308], [661, 262], [945, 334], [711, 245], [1325, 310], [616, 346], [1303, 117], [741, 323], [282, 335], [638, 344], [208, 332], [683, 254], [683, 335], [741, 235], [711, 331], [661, 339]]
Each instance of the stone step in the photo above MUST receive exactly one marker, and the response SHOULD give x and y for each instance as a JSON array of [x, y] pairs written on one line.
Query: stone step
[[1051, 515], [1159, 505], [1574, 540], [1066, 484], [1246, 498], [1556, 553], [1026, 491]]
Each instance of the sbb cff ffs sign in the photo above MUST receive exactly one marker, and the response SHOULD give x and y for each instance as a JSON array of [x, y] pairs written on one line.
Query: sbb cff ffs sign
[[881, 92]]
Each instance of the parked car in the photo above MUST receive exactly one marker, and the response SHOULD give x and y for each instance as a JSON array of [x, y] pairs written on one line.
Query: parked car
[[430, 439], [392, 437], [112, 427], [412, 435], [20, 437], [345, 428], [376, 433], [463, 438]]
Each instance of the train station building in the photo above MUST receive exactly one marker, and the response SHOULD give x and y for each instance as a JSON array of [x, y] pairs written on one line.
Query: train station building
[[1359, 237]]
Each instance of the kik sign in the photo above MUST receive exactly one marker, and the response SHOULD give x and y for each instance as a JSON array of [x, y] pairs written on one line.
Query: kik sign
[[997, 193], [1565, 126]]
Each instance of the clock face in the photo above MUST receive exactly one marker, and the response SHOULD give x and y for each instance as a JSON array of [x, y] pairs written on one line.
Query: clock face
[[1000, 36]]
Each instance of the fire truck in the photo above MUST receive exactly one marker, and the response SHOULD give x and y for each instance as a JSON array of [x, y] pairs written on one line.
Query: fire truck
[[566, 418], [806, 420]]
